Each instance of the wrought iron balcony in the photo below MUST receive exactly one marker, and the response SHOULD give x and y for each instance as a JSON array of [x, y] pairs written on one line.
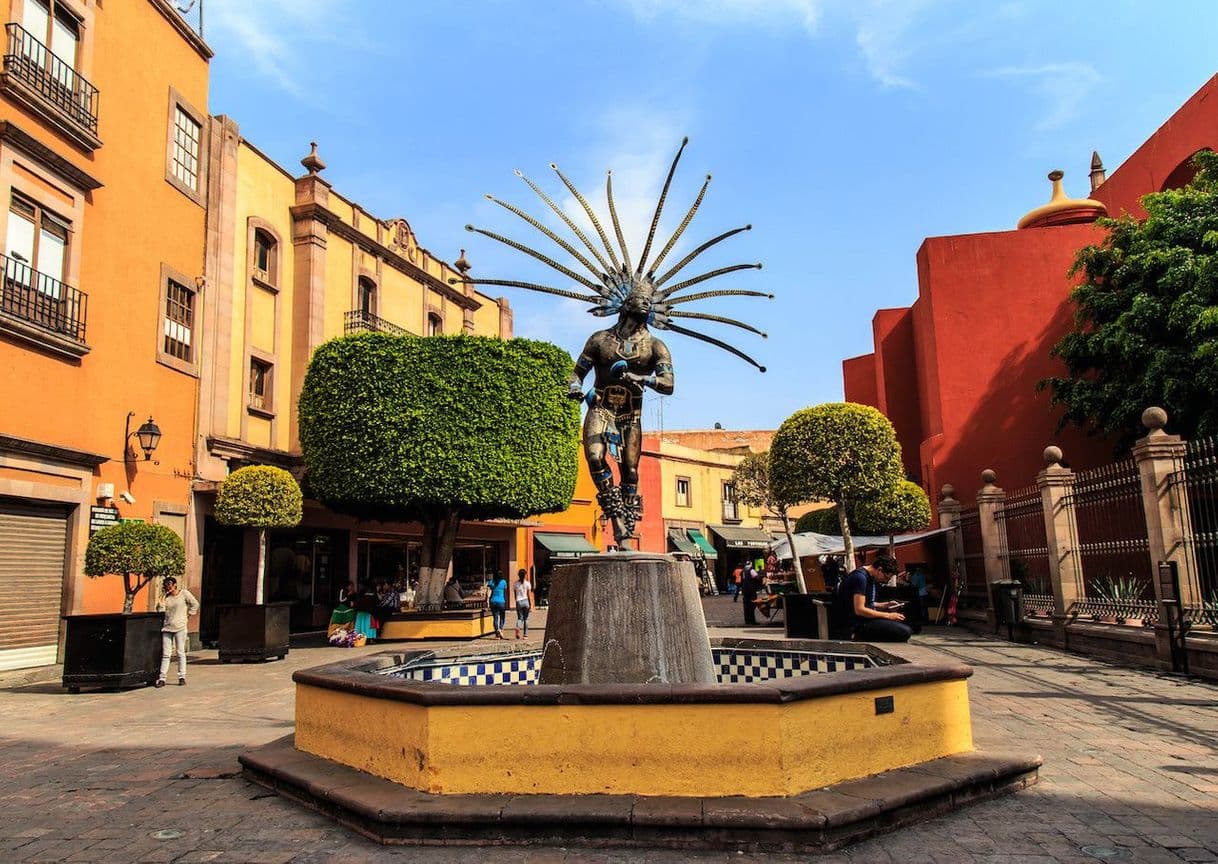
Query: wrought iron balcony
[[32, 65], [38, 299], [358, 320]]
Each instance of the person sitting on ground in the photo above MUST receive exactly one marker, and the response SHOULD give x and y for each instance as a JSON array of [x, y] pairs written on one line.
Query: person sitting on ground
[[857, 616], [388, 600], [342, 623]]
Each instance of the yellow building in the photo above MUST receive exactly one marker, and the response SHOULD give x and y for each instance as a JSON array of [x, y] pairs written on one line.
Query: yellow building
[[103, 174], [291, 263]]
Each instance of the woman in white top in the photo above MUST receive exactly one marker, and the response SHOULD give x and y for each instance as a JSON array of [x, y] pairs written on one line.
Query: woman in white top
[[521, 590]]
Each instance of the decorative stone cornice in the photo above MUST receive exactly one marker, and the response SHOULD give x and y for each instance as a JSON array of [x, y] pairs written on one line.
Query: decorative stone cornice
[[184, 30], [241, 451], [53, 452], [334, 223], [15, 135]]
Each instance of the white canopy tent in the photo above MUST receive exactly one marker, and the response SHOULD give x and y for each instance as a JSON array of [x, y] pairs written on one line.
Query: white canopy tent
[[811, 543]]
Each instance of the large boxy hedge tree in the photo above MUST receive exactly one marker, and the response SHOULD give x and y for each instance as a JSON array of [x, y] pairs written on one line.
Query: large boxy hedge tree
[[439, 430], [262, 497], [137, 551], [840, 452]]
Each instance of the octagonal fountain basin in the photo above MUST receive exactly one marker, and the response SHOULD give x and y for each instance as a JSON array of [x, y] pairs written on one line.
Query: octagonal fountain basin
[[802, 745]]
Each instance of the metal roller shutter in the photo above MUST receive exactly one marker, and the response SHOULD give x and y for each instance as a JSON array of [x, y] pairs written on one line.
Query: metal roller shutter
[[33, 542]]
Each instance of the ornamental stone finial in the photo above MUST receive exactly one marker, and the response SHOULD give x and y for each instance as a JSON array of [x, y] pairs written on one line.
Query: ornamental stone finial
[[313, 162], [1154, 419], [1053, 455], [988, 476], [948, 492]]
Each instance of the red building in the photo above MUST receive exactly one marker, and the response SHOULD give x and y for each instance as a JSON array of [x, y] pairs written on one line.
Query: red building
[[956, 372]]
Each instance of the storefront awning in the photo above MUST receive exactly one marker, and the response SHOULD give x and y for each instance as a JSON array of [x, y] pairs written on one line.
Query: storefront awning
[[705, 545], [735, 537], [565, 545], [683, 544]]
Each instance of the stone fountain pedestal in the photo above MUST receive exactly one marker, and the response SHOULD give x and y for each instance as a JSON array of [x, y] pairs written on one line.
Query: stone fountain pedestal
[[626, 618]]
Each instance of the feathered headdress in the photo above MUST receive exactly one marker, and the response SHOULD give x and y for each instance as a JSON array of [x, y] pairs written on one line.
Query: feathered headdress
[[616, 280]]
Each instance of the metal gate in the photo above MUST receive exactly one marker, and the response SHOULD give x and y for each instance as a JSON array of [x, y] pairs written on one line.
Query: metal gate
[[33, 543], [1025, 554]]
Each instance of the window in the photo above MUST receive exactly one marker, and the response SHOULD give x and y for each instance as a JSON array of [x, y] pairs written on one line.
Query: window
[[185, 156], [435, 324], [367, 296], [179, 322], [54, 26], [261, 375], [731, 512], [36, 246], [264, 255], [186, 137], [683, 492]]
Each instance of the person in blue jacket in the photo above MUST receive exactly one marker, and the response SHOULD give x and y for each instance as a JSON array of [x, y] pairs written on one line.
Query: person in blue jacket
[[498, 602]]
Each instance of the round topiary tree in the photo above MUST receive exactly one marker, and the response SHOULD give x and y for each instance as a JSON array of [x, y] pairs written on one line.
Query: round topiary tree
[[437, 431], [903, 508], [839, 452], [137, 551], [751, 480], [262, 497], [822, 521]]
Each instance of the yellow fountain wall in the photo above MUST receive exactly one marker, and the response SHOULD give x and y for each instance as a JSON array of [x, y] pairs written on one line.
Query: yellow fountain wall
[[703, 750]]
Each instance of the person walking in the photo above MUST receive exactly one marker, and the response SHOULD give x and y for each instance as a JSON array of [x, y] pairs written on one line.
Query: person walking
[[521, 590], [750, 582], [734, 587], [178, 605], [498, 603]]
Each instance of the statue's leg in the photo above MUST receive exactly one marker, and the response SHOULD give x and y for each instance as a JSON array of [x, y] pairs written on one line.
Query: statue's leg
[[596, 448], [632, 450]]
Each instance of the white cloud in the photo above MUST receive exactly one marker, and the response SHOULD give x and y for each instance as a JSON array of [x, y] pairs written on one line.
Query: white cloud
[[885, 36], [1062, 86], [275, 36], [768, 12]]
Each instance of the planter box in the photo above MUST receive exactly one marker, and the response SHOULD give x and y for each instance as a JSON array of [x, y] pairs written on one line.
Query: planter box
[[112, 651], [249, 631]]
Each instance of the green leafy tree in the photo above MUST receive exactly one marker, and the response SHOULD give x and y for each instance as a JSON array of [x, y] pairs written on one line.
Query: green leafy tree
[[262, 497], [902, 509], [823, 521], [1146, 322], [439, 430], [137, 551], [751, 480], [839, 452]]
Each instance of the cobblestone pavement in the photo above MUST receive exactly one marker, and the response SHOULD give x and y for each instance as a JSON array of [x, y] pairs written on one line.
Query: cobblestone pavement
[[1131, 766]]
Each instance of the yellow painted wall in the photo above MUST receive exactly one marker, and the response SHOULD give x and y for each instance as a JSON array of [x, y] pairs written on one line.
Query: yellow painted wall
[[707, 472], [638, 749]]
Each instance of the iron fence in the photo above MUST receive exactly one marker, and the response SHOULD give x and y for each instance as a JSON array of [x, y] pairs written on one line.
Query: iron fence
[[1200, 486], [54, 79], [357, 320], [39, 299], [973, 554], [1112, 546], [1025, 548]]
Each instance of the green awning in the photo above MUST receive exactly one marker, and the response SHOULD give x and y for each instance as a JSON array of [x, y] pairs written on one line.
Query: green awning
[[705, 545], [565, 545], [736, 537], [678, 539]]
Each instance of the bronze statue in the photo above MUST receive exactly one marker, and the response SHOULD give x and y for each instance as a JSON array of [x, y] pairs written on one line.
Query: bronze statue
[[626, 358]]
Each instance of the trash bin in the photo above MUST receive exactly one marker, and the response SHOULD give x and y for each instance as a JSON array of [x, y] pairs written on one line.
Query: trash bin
[[1007, 602]]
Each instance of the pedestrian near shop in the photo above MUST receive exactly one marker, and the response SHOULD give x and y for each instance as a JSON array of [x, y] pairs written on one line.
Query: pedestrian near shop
[[737, 574], [498, 603], [178, 604], [750, 584], [521, 591]]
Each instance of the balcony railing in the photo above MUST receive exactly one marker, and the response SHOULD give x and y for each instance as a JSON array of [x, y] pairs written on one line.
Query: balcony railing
[[358, 320], [54, 79], [41, 300]]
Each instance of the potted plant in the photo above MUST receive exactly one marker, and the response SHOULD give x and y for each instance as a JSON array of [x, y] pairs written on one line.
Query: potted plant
[[262, 497], [122, 649]]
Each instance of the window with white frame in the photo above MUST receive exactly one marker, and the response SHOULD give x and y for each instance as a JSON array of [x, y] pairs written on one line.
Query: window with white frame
[[261, 381], [179, 322], [683, 492], [36, 246], [187, 144]]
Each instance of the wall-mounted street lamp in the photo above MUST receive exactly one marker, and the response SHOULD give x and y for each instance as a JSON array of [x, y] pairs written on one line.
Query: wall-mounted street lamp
[[148, 435]]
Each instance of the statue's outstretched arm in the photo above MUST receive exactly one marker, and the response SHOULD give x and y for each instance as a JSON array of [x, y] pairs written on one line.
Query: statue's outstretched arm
[[575, 384]]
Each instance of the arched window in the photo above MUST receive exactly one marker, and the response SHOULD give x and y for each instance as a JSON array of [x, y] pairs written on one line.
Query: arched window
[[435, 324], [366, 296]]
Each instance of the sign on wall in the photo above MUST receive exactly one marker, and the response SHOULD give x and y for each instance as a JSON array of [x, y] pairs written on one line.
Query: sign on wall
[[102, 517]]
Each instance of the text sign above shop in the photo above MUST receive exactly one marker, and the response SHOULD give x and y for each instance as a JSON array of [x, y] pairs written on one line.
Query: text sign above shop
[[102, 517]]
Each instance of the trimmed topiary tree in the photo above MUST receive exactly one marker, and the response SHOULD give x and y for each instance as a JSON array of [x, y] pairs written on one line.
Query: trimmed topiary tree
[[137, 551], [902, 509], [439, 430], [839, 452], [751, 480], [262, 497], [822, 521]]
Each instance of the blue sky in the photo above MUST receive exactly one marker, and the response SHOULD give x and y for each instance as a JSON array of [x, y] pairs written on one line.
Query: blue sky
[[845, 132]]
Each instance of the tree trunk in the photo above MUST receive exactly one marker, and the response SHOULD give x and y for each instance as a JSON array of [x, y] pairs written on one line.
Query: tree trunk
[[799, 570], [892, 547], [260, 586], [439, 540], [847, 539], [128, 594]]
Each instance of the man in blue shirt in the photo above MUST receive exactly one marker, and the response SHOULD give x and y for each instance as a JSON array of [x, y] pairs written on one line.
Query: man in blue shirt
[[857, 616]]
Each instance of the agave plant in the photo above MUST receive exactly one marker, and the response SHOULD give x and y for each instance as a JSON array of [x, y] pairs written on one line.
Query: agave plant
[[1121, 588]]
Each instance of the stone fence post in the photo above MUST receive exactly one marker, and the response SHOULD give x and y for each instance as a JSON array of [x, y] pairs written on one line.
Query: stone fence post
[[949, 517], [990, 501], [1065, 570], [1160, 459]]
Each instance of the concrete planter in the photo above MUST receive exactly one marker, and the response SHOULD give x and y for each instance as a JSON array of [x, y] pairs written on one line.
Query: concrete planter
[[112, 651], [254, 631]]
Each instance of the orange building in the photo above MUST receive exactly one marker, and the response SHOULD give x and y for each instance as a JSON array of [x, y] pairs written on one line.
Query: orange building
[[103, 137]]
